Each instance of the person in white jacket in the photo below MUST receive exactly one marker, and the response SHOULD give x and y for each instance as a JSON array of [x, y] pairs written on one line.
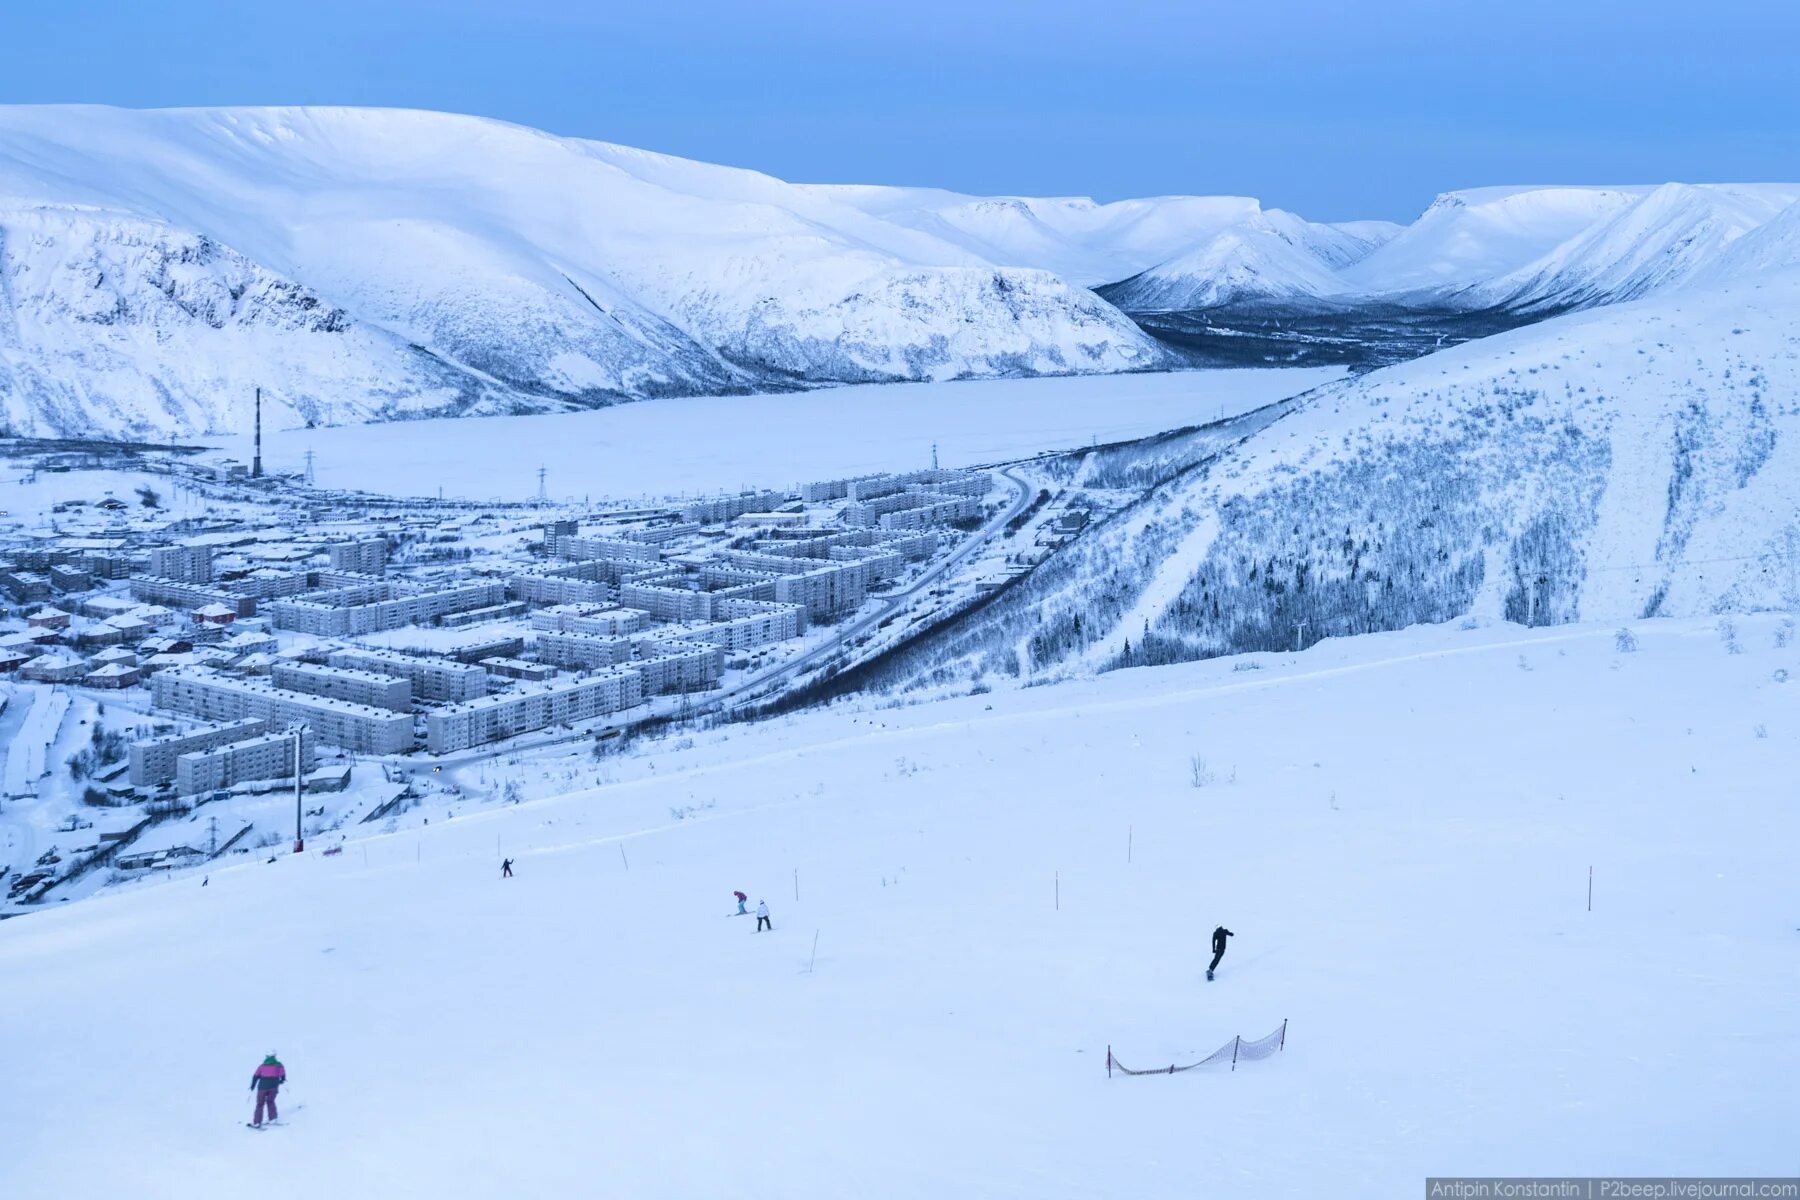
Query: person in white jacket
[[762, 917]]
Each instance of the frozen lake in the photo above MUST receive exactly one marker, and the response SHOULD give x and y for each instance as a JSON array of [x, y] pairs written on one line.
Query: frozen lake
[[720, 443]]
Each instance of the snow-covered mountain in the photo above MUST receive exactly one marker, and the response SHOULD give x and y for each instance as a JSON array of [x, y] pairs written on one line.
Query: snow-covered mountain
[[1639, 459], [1529, 251], [1269, 256], [1084, 242], [365, 264], [1662, 240], [452, 264]]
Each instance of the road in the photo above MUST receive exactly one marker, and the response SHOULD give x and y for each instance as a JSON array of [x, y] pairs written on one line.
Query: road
[[772, 678]]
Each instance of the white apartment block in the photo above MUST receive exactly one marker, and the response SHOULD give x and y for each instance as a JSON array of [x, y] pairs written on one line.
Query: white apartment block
[[372, 608], [532, 707], [883, 565], [584, 651], [435, 679], [365, 557], [715, 509], [824, 589], [562, 545], [175, 594], [667, 603], [758, 623], [680, 667], [656, 535], [152, 761], [268, 756], [391, 692], [942, 510], [554, 589], [211, 697], [183, 564]]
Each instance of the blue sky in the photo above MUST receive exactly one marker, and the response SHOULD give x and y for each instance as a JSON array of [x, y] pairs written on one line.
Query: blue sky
[[1360, 108]]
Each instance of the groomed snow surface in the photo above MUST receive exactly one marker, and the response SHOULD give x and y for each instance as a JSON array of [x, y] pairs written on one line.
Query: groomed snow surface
[[1399, 828]]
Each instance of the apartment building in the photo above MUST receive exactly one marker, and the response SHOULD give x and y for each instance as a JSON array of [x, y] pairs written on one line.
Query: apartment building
[[391, 692], [359, 727], [533, 707], [680, 666], [560, 545], [584, 651], [173, 593], [744, 625], [433, 679], [182, 564], [824, 591], [365, 557], [267, 756], [715, 509], [151, 762], [552, 589], [369, 608]]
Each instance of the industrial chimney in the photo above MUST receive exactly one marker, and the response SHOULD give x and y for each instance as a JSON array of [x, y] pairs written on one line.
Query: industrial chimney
[[256, 463]]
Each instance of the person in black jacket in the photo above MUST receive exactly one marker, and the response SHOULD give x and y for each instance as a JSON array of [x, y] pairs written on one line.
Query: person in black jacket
[[1219, 936]]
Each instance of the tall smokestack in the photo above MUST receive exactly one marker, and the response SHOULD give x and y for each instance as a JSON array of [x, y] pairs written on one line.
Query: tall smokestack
[[256, 463]]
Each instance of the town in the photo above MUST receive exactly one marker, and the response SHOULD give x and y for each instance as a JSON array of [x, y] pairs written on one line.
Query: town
[[246, 660]]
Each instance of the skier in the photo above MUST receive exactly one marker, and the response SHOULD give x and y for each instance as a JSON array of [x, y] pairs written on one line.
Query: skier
[[741, 899], [1219, 936], [506, 868], [762, 917], [265, 1081]]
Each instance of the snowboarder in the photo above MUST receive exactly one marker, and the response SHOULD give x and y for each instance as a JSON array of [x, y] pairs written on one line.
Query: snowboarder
[[506, 868], [741, 899], [1219, 936], [762, 917], [265, 1081]]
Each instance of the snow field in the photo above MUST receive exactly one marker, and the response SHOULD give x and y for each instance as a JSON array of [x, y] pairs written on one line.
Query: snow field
[[708, 444], [1399, 832]]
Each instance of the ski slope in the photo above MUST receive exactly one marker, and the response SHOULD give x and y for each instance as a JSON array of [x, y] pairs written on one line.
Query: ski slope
[[1400, 833]]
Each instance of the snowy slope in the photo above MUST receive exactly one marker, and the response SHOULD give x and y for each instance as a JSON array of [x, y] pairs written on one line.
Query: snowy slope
[[1271, 255], [1402, 849], [1664, 239], [1471, 236], [528, 270], [1083, 241], [1639, 459]]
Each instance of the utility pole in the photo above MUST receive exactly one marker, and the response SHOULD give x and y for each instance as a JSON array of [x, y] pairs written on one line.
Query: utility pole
[[541, 472], [934, 465], [1299, 628], [299, 769], [309, 468]]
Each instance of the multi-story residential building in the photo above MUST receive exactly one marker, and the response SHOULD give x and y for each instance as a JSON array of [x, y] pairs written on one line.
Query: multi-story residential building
[[532, 707], [715, 509], [537, 588], [583, 651], [434, 679], [369, 608], [183, 564], [680, 666], [150, 589], [211, 697], [266, 756], [559, 545], [152, 761], [391, 692], [366, 557]]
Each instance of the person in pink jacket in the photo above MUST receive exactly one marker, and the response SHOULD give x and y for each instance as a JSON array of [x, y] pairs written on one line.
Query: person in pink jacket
[[265, 1081]]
